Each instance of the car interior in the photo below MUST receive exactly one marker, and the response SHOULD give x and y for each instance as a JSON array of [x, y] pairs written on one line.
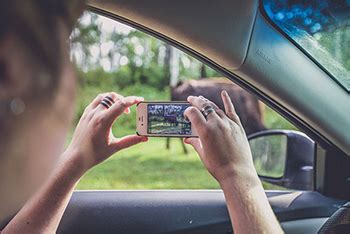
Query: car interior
[[239, 40]]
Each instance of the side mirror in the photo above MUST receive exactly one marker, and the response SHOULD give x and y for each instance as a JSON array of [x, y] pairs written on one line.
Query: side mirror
[[284, 158]]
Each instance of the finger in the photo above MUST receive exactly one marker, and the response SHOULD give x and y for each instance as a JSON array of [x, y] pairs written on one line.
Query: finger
[[95, 102], [196, 144], [112, 95], [229, 107], [200, 103], [195, 117], [197, 102], [220, 112], [119, 107], [127, 110], [126, 142], [209, 102]]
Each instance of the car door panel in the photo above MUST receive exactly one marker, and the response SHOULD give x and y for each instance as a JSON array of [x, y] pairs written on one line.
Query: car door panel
[[180, 211], [303, 226]]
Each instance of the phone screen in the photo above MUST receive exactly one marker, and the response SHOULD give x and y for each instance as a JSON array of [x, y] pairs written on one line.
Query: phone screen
[[168, 119]]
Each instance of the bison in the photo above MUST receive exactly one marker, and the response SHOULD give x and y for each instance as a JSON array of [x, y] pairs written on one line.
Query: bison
[[248, 107]]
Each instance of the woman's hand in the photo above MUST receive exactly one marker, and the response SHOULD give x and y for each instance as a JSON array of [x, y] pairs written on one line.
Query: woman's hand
[[222, 144], [92, 143], [224, 150], [93, 140]]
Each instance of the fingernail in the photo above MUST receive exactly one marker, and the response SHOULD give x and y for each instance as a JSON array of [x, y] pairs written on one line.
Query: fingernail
[[144, 139], [224, 92], [187, 141], [186, 118]]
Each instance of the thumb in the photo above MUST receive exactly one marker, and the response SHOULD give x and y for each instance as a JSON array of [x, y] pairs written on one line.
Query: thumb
[[196, 144], [126, 142]]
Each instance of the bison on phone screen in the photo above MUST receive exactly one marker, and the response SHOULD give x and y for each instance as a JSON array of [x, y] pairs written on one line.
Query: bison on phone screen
[[249, 108]]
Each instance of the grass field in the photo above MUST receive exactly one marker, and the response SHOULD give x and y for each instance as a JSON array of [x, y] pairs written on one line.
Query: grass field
[[150, 165]]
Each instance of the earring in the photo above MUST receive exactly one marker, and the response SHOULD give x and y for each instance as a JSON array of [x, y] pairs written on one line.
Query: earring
[[17, 106]]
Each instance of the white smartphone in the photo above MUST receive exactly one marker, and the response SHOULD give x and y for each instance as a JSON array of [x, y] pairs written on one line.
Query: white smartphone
[[163, 119]]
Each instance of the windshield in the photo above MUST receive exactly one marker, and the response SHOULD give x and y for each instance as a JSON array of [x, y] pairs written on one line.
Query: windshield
[[321, 28]]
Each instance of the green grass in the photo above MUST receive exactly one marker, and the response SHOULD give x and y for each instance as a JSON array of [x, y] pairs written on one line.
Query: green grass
[[273, 120], [150, 166]]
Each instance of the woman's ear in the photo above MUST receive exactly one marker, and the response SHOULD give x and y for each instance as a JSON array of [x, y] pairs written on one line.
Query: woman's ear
[[13, 68], [4, 76]]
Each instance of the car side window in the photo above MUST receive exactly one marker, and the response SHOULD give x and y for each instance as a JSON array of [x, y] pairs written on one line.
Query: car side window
[[110, 56]]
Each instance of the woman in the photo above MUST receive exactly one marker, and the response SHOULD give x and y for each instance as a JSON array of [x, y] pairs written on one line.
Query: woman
[[38, 86]]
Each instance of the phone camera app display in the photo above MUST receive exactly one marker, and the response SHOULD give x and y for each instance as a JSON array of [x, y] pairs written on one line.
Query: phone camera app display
[[168, 119]]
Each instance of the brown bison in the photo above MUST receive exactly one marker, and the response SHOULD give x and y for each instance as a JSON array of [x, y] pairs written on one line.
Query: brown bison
[[248, 107]]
